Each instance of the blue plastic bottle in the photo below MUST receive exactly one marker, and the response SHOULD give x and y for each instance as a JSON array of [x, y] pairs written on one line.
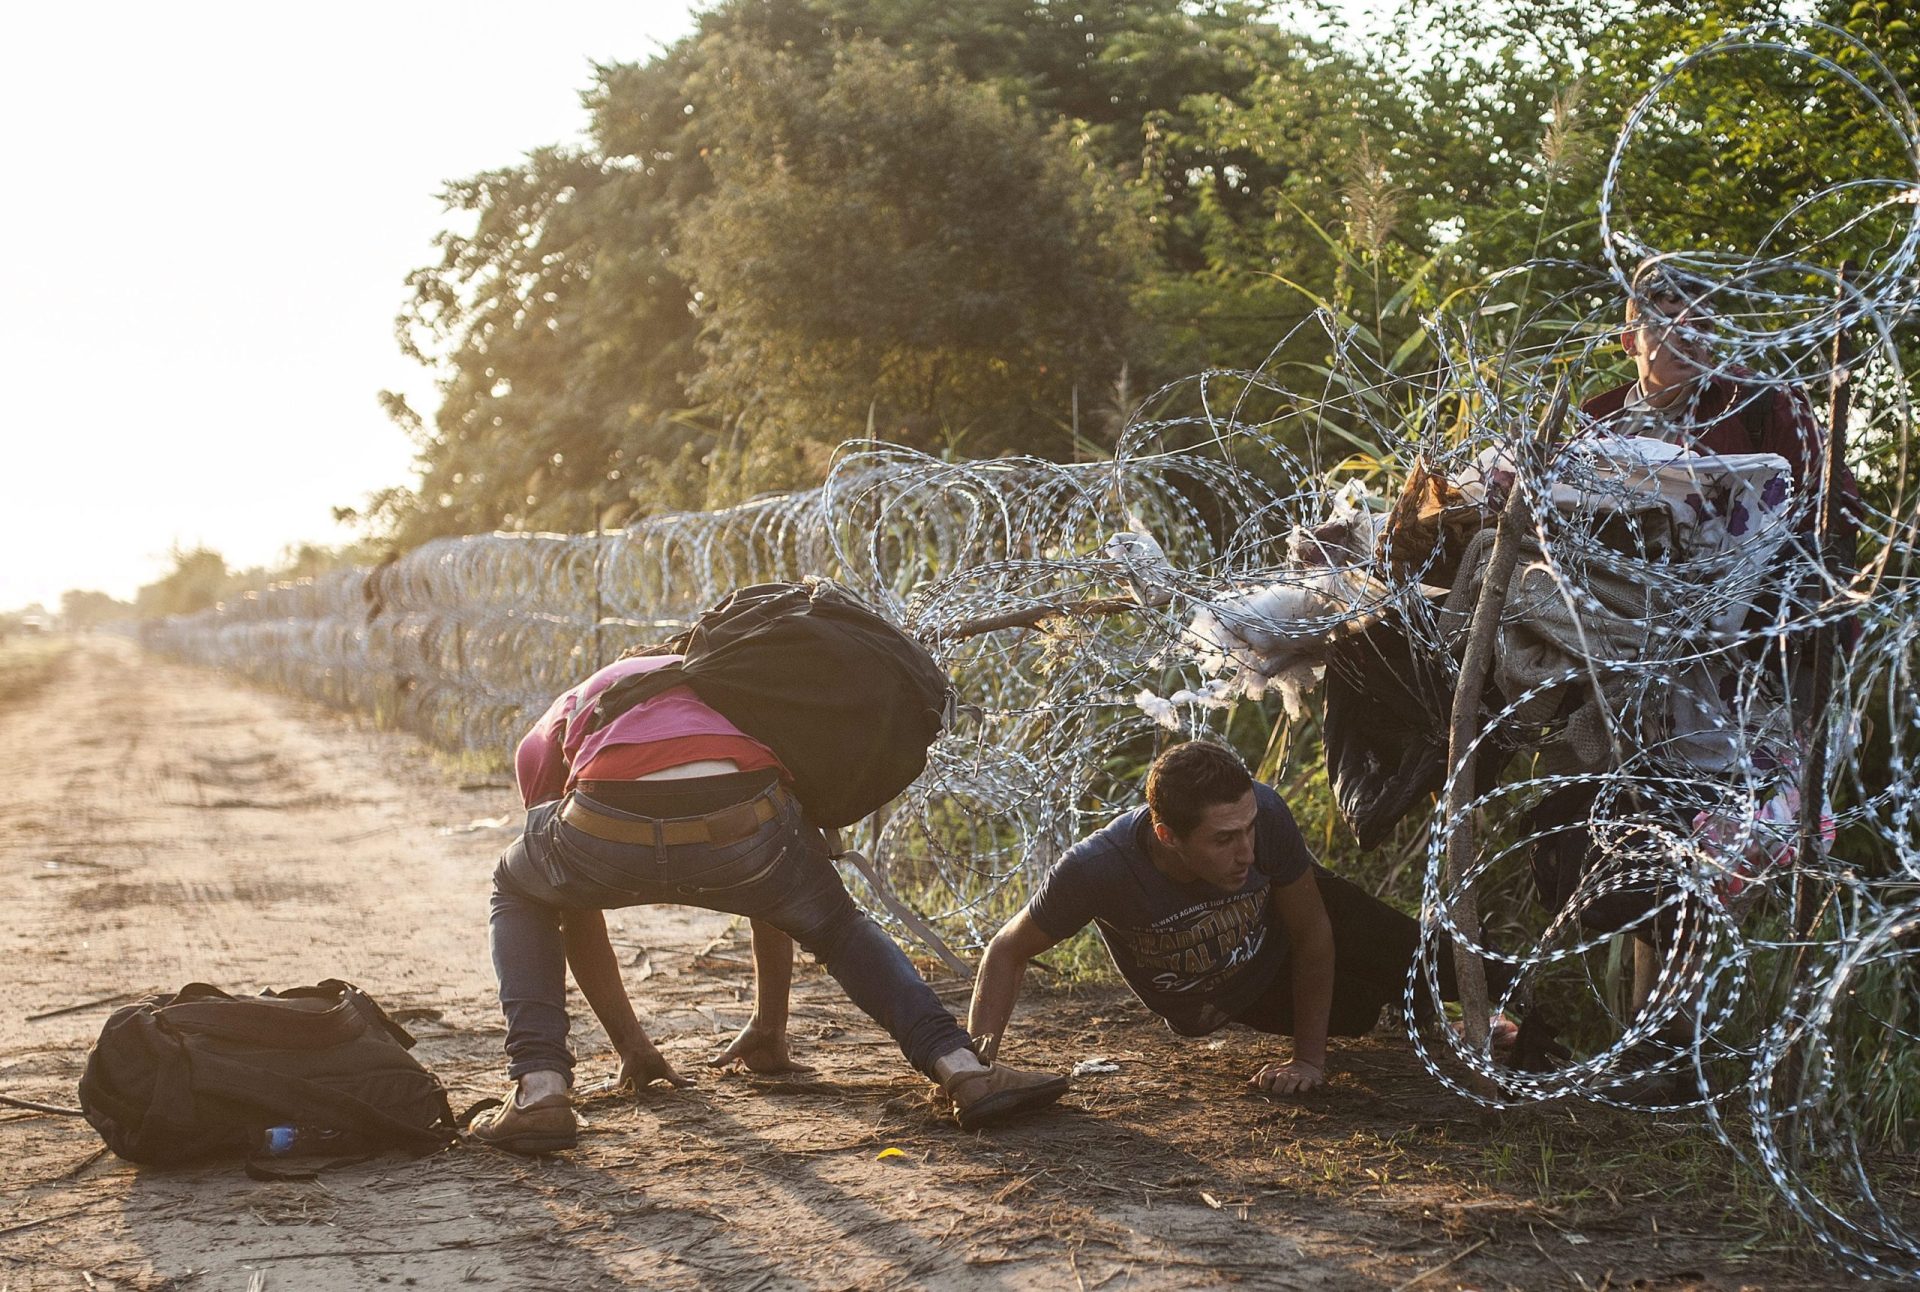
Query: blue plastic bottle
[[284, 1141]]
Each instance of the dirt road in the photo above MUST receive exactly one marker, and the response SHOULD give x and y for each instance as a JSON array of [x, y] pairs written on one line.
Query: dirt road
[[162, 825]]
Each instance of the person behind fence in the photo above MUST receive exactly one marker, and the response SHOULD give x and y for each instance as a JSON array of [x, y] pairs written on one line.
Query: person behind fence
[[1682, 393], [1215, 913], [672, 803]]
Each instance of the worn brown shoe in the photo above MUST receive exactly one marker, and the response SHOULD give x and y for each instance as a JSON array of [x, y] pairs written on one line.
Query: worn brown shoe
[[543, 1126], [983, 1097]]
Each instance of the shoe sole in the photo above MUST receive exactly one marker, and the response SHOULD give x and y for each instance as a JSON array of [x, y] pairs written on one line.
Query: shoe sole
[[1009, 1104], [527, 1145]]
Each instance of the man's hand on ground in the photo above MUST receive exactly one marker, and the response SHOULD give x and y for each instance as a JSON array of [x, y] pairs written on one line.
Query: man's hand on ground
[[1294, 1077], [641, 1065], [761, 1049]]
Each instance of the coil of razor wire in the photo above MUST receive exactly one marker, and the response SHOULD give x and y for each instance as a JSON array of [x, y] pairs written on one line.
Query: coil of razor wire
[[1646, 713]]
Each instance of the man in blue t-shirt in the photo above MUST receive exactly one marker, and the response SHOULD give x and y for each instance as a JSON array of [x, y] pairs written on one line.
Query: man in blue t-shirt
[[1214, 912]]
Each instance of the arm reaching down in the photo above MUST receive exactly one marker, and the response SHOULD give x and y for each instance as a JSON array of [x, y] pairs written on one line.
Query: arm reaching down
[[762, 1043], [597, 970], [997, 986], [1310, 949]]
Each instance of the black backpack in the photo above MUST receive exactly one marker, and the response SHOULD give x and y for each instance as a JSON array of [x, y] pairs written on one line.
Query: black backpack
[[200, 1074], [847, 701]]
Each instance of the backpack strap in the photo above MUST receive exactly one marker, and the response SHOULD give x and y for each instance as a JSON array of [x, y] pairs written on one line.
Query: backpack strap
[[272, 1170], [261, 1022], [632, 691], [465, 1117], [740, 608], [368, 1007]]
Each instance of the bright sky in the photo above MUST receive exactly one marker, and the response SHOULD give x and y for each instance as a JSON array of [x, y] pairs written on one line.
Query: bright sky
[[211, 211]]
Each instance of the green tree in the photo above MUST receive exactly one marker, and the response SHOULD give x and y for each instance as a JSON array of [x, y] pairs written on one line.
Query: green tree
[[743, 266], [1734, 143], [888, 246], [85, 608], [197, 581], [1262, 196], [558, 324], [564, 326]]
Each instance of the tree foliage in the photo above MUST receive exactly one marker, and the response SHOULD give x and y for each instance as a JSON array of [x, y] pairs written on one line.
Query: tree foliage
[[891, 248], [812, 219], [197, 581], [86, 608], [988, 226], [201, 579]]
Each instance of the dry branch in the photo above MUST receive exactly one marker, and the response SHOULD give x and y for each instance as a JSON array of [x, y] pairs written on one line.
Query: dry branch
[[1833, 565], [114, 999], [1464, 726], [1034, 616]]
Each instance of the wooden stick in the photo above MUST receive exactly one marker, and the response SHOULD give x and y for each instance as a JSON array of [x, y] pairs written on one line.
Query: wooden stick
[[33, 1107], [465, 1244], [47, 1220], [1034, 616], [900, 911], [1813, 767], [1469, 972], [114, 999], [1452, 1260]]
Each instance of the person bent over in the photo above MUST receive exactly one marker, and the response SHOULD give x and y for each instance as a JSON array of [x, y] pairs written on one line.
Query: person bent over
[[1215, 913], [671, 803]]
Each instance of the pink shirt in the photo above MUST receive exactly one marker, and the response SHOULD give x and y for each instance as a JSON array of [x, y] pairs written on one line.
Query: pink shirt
[[671, 729]]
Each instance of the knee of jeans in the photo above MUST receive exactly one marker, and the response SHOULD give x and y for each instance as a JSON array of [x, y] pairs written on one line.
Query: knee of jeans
[[825, 938]]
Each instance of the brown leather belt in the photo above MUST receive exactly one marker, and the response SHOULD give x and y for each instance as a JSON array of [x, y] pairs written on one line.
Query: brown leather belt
[[728, 825]]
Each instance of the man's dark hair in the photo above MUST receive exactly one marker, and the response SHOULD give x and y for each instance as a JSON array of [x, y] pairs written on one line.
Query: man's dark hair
[[1660, 291], [1188, 779]]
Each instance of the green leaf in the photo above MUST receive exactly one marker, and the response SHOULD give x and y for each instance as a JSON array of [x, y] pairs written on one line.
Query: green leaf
[[1408, 348], [1399, 299]]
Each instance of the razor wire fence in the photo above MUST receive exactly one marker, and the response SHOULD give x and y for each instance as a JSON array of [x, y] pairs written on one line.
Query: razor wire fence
[[1649, 697]]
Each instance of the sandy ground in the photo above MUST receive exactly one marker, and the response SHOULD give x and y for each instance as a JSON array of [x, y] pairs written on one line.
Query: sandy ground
[[162, 825]]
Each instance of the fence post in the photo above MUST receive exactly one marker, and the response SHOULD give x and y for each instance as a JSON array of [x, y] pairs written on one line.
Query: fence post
[[599, 612], [1464, 725], [1834, 564]]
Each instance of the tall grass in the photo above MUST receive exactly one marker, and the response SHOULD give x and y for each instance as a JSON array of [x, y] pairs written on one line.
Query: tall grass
[[27, 664]]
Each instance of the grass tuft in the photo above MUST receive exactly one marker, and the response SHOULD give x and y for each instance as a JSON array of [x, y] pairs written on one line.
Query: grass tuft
[[28, 663]]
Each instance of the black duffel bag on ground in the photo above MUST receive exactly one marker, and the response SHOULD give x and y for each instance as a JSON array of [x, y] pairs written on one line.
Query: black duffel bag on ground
[[848, 702], [202, 1074]]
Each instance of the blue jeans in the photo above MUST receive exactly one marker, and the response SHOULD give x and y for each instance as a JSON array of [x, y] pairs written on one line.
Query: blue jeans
[[780, 874]]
